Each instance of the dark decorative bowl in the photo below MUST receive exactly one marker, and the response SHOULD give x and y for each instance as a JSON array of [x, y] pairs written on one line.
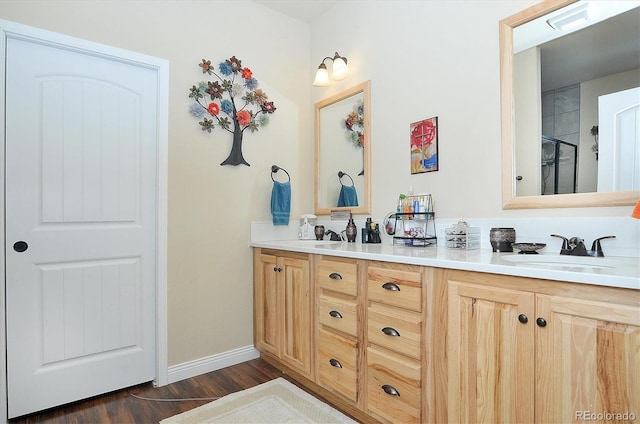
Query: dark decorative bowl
[[528, 248], [502, 238]]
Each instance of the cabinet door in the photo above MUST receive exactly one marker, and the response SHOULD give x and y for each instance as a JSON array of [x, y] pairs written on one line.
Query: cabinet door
[[491, 353], [267, 310], [588, 360], [296, 319]]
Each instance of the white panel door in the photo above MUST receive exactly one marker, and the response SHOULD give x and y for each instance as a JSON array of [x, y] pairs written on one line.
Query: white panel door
[[81, 140], [619, 141]]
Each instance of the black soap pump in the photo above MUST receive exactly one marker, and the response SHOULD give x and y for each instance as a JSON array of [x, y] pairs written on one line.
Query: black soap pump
[[351, 230], [366, 231]]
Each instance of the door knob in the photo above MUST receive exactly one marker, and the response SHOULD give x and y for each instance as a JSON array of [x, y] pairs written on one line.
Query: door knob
[[20, 246]]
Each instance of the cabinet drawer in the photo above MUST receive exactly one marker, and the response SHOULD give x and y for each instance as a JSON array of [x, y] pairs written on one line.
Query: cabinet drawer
[[338, 276], [338, 359], [395, 329], [393, 387], [340, 314], [395, 287]]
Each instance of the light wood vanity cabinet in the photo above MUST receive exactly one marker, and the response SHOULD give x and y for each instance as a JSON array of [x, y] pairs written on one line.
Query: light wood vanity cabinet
[[528, 350], [491, 354], [395, 342], [283, 308], [398, 343], [339, 330], [588, 356]]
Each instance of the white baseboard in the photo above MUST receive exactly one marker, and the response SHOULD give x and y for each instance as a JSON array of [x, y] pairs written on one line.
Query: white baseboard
[[211, 363]]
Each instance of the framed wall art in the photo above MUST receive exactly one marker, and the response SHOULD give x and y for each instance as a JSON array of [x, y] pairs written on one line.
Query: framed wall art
[[424, 145]]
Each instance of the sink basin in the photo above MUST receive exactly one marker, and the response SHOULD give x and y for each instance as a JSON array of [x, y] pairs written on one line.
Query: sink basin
[[563, 261]]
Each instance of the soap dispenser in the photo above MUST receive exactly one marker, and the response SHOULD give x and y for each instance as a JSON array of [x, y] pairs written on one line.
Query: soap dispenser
[[351, 230]]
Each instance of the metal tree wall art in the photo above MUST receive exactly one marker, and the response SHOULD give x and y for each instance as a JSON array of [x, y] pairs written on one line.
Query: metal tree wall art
[[355, 127], [232, 102]]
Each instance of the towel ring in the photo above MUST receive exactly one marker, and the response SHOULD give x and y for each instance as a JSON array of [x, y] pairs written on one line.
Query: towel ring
[[342, 174], [276, 168]]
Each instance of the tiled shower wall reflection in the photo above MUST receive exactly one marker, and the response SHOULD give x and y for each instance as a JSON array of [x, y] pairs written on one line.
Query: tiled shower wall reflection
[[561, 120]]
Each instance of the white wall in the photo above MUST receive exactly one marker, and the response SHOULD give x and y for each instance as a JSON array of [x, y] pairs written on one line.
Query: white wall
[[424, 59], [210, 286]]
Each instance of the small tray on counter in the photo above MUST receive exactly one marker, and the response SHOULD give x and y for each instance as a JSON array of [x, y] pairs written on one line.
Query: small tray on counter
[[528, 248]]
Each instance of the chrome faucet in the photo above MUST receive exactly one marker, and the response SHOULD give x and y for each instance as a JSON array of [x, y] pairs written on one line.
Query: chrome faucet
[[333, 235], [575, 246]]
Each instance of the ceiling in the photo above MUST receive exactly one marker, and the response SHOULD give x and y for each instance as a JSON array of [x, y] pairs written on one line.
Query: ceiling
[[302, 10], [599, 50], [607, 44]]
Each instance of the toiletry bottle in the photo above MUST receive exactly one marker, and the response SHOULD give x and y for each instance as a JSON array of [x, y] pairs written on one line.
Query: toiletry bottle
[[409, 208], [351, 230], [366, 231], [375, 234], [399, 208]]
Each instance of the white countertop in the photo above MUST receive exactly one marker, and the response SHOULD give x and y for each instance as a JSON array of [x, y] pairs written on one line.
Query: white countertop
[[616, 272]]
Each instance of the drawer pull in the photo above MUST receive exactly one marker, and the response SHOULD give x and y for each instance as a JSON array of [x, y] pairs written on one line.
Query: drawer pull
[[335, 276], [391, 287], [335, 363], [390, 332], [335, 314], [390, 390]]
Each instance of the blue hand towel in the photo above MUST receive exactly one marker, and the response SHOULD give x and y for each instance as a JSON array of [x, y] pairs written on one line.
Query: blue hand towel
[[348, 196], [281, 202]]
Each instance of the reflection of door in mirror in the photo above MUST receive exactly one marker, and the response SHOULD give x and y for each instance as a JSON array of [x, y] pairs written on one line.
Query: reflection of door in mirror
[[619, 141], [551, 85], [342, 136]]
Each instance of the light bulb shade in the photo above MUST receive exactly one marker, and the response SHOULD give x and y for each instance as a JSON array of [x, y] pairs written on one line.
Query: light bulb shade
[[339, 68], [322, 76]]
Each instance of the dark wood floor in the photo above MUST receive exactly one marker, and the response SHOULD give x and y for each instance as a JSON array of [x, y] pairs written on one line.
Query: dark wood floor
[[122, 408]]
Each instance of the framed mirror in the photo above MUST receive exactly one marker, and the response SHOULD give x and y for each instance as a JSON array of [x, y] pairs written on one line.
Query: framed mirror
[[342, 149], [559, 147]]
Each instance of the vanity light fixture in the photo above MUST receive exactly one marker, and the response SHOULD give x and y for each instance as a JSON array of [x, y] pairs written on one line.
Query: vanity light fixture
[[339, 70], [570, 19]]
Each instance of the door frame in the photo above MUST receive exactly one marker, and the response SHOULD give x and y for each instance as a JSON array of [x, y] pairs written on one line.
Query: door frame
[[14, 30]]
